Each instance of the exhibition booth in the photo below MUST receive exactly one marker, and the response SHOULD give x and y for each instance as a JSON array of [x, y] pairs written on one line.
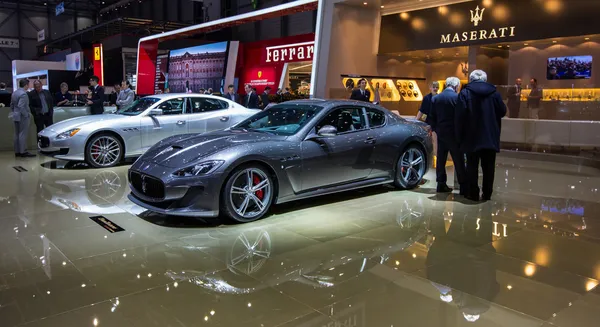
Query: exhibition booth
[[215, 64], [403, 48]]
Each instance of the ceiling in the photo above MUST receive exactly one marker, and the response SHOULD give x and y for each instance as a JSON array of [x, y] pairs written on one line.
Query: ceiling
[[95, 5], [389, 7]]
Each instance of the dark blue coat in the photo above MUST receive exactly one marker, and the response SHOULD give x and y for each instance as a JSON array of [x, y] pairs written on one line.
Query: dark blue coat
[[426, 106], [479, 117], [442, 112]]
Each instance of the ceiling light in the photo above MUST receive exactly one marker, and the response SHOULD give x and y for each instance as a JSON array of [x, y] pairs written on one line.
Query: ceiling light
[[587, 38], [364, 3], [525, 44], [554, 41], [499, 46], [382, 6]]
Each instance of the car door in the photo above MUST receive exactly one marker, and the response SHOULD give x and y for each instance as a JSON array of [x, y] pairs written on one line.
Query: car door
[[173, 121], [339, 159], [382, 158], [207, 114]]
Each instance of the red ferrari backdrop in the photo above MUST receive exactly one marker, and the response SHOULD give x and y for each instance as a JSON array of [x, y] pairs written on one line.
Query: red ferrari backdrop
[[267, 58]]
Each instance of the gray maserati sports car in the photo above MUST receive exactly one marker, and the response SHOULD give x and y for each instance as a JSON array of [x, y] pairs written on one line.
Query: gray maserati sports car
[[104, 140], [293, 150]]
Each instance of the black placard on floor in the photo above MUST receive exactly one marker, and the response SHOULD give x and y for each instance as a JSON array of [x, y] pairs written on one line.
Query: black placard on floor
[[107, 224], [20, 169]]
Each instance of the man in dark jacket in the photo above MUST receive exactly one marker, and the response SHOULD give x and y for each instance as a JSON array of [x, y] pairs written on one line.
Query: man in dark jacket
[[441, 119], [251, 99], [41, 104], [264, 98], [426, 103], [361, 93], [96, 100], [478, 125]]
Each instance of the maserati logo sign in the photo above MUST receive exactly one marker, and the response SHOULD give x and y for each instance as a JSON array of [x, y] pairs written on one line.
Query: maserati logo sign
[[477, 16], [504, 32]]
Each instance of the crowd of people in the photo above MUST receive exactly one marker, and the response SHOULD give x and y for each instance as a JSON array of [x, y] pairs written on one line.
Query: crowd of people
[[466, 124], [39, 103]]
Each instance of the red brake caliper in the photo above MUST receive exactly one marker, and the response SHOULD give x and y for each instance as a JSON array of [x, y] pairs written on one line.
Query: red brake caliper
[[260, 193]]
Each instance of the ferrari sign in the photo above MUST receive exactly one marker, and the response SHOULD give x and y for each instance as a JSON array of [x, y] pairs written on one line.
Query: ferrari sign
[[97, 55], [290, 52]]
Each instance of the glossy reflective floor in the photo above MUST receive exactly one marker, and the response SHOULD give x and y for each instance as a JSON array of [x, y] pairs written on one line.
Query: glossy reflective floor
[[375, 257]]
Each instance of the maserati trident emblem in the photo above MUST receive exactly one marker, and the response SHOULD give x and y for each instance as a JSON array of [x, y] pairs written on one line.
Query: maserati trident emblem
[[144, 184], [477, 16]]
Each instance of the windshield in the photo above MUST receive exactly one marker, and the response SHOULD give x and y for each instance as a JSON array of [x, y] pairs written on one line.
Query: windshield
[[282, 119], [137, 107]]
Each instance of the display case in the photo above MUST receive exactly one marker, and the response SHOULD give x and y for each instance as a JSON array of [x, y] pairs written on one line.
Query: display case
[[572, 94], [390, 89]]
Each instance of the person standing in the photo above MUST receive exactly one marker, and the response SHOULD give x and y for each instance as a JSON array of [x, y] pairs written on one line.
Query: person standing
[[251, 100], [478, 126], [114, 96], [264, 97], [126, 96], [514, 99], [96, 99], [426, 103], [534, 99], [63, 97], [441, 119], [41, 105], [361, 93], [19, 110], [3, 88], [231, 95]]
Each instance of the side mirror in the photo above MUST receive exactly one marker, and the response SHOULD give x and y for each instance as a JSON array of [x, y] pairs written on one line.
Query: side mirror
[[155, 112], [327, 131]]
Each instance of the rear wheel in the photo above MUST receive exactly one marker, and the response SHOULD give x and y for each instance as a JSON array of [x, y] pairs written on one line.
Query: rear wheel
[[248, 194], [410, 168], [103, 150]]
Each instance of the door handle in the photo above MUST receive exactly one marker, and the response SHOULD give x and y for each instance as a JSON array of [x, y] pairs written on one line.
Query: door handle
[[181, 122], [370, 140], [224, 119]]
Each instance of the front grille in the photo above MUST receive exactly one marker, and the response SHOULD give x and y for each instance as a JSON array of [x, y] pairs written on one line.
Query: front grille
[[147, 185], [43, 142]]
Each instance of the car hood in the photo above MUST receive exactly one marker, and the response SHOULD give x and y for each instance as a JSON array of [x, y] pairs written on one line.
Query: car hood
[[182, 150], [79, 122]]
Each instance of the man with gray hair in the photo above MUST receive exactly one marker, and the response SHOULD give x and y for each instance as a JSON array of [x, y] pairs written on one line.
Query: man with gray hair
[[441, 119], [478, 125]]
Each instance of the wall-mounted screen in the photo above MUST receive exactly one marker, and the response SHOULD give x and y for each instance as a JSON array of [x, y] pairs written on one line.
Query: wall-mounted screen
[[195, 68], [574, 67]]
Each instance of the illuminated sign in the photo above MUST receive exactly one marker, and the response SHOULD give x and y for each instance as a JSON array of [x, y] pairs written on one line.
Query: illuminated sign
[[482, 34], [290, 52], [60, 8], [97, 55]]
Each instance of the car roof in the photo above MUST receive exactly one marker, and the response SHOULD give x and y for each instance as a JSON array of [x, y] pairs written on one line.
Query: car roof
[[168, 96], [334, 103]]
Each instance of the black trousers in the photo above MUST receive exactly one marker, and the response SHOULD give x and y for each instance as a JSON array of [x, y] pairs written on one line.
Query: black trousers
[[487, 159], [42, 121], [446, 146]]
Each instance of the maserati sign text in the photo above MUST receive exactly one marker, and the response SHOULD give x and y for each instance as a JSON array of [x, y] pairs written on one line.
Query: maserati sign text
[[482, 34], [494, 33]]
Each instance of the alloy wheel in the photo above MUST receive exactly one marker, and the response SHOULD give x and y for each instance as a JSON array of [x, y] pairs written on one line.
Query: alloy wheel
[[412, 166], [250, 193], [105, 151]]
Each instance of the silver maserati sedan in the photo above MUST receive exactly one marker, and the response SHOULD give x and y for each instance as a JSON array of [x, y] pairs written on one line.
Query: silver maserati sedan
[[105, 140]]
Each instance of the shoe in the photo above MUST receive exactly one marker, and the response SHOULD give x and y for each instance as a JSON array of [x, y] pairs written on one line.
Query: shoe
[[28, 155], [443, 188], [17, 155], [463, 190]]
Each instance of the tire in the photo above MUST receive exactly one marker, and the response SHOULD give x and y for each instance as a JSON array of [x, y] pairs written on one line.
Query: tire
[[409, 172], [241, 205], [104, 150]]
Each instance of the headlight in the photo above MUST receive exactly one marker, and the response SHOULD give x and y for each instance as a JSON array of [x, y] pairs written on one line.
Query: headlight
[[203, 168], [67, 134]]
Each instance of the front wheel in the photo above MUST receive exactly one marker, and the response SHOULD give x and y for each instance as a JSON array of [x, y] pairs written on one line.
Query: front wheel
[[103, 150], [248, 194], [410, 168]]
